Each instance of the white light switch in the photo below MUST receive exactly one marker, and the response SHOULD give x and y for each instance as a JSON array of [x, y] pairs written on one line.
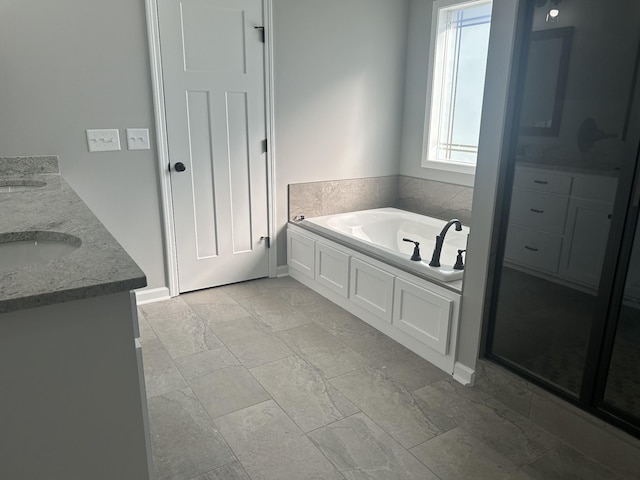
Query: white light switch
[[138, 138], [103, 140]]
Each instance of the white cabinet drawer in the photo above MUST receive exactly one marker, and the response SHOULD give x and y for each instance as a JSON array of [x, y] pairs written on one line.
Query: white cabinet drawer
[[533, 248], [332, 269], [539, 211], [423, 314], [371, 289], [542, 181], [301, 253]]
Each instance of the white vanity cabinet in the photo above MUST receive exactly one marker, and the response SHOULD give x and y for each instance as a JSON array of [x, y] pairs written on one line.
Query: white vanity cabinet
[[73, 401], [416, 313], [559, 224]]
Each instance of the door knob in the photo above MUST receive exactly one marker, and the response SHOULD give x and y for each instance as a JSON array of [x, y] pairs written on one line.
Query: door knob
[[179, 167]]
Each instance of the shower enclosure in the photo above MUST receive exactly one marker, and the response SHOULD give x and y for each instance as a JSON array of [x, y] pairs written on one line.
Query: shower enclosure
[[565, 306]]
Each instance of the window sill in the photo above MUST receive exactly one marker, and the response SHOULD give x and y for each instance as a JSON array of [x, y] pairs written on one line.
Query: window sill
[[454, 173]]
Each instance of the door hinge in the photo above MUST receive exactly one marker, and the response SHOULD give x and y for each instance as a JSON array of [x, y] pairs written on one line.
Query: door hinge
[[264, 146], [267, 241], [261, 31]]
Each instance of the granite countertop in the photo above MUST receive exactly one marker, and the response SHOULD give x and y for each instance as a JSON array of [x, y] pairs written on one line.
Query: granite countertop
[[99, 266]]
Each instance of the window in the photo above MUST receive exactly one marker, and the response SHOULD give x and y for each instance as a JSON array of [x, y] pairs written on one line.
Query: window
[[460, 40]]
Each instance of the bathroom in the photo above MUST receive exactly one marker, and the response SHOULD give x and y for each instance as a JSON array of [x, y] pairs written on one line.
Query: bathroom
[[78, 65]]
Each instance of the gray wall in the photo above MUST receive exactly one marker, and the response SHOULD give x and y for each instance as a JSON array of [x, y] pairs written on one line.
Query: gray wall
[[67, 66], [339, 80], [490, 165]]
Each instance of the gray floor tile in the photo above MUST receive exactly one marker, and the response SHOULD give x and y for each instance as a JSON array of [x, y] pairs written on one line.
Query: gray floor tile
[[503, 386], [390, 405], [602, 442], [275, 313], [185, 442], [258, 287], [227, 390], [250, 342], [500, 428], [160, 372], [271, 447], [302, 393], [181, 331], [146, 332], [322, 350], [339, 322], [203, 363], [209, 296], [457, 455], [396, 361], [565, 463], [232, 471], [217, 313], [361, 449]]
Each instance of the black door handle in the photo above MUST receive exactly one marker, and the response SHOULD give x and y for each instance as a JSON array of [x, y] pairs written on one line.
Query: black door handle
[[179, 167]]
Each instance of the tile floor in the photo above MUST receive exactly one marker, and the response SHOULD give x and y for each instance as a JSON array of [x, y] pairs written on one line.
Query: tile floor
[[268, 380]]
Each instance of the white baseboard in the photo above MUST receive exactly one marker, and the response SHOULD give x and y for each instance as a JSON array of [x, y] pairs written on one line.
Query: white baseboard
[[282, 271], [152, 295], [463, 374]]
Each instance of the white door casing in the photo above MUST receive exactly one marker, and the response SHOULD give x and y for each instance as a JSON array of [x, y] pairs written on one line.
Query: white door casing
[[214, 96]]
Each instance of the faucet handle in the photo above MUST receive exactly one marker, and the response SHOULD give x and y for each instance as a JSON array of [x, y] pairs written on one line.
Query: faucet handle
[[416, 250], [459, 264]]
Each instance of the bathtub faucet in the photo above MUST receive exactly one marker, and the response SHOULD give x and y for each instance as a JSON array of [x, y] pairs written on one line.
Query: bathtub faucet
[[435, 259], [416, 249]]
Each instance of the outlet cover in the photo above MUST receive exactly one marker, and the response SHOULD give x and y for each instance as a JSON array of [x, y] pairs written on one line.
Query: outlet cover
[[138, 139], [103, 140]]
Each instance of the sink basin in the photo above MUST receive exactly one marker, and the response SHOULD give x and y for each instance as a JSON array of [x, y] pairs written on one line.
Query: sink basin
[[20, 249], [20, 185]]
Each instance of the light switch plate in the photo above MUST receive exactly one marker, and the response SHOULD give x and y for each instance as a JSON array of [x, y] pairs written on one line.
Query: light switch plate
[[138, 138], [103, 140]]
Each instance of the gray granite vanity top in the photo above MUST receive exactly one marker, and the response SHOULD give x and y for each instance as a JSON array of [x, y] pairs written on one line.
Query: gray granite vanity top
[[99, 266]]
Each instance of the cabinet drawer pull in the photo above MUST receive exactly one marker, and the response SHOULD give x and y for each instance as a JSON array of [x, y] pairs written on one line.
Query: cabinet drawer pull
[[534, 210], [541, 182], [531, 248]]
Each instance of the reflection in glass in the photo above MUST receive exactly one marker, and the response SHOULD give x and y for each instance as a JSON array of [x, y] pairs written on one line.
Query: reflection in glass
[[562, 199], [623, 383]]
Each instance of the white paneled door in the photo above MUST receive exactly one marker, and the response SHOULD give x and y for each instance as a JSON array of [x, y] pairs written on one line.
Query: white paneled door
[[213, 70]]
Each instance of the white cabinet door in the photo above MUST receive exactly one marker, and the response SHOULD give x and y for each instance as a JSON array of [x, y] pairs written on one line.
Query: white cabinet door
[[423, 314], [301, 253], [587, 233], [371, 289], [332, 269]]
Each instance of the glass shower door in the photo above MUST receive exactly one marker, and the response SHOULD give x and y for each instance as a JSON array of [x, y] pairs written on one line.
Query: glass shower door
[[622, 393]]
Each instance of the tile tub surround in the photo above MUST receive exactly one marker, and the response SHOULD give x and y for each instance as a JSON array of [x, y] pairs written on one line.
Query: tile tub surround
[[435, 199], [100, 266], [384, 414], [426, 197], [339, 196]]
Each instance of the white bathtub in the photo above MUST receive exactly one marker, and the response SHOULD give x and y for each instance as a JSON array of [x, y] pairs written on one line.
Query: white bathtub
[[379, 232]]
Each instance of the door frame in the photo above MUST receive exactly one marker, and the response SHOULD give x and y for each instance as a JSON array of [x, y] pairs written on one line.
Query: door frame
[[166, 203]]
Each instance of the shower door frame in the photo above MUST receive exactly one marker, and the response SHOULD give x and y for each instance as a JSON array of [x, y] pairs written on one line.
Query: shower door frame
[[617, 255]]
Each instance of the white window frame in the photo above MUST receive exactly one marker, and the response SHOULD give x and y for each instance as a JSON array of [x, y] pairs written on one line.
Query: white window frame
[[450, 170]]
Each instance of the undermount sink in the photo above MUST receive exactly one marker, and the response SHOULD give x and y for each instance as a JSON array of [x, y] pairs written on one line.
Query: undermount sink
[[20, 185], [20, 249]]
